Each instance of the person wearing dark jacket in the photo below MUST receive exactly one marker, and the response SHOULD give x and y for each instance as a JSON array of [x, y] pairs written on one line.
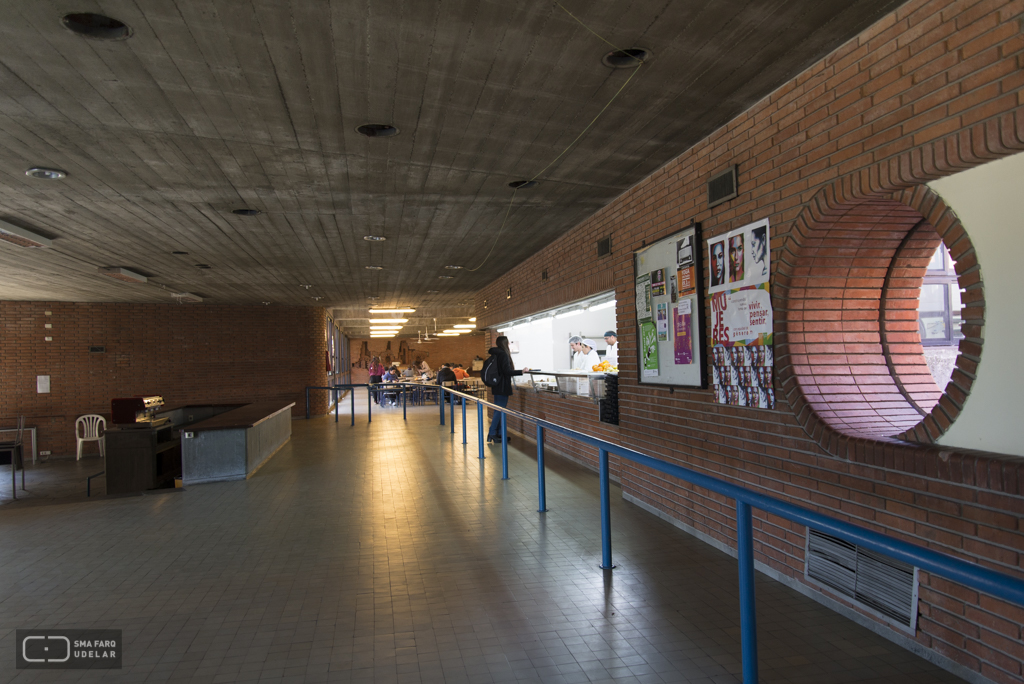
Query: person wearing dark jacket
[[506, 371]]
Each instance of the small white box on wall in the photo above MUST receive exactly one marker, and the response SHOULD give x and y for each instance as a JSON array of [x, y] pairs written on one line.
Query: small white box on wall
[[42, 384]]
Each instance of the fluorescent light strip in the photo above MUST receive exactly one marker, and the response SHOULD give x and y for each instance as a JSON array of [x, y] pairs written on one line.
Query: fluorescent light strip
[[464, 325], [381, 311], [605, 305], [387, 321]]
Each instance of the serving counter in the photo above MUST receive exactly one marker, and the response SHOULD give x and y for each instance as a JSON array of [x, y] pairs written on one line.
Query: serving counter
[[601, 388], [234, 444]]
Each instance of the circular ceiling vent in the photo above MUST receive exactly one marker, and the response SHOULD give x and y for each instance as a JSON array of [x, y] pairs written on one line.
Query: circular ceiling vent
[[246, 212], [45, 174], [630, 58], [374, 238], [374, 268], [523, 184], [95, 26], [378, 130]]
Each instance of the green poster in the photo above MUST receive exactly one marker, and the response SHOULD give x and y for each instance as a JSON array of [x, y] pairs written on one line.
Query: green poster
[[649, 348]]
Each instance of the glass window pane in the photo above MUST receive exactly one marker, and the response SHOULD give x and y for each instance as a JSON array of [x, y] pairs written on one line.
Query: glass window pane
[[937, 263], [954, 297], [933, 297], [933, 328]]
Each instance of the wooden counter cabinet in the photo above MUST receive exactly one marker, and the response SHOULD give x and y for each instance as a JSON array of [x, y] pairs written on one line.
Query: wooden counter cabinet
[[141, 458]]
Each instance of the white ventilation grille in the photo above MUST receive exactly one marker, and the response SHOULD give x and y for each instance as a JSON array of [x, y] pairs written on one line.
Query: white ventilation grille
[[881, 584]]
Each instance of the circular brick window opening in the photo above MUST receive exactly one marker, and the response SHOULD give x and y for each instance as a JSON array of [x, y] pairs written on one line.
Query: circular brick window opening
[[852, 316]]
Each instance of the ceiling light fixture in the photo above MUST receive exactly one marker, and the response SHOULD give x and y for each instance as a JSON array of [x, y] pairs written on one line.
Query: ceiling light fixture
[[630, 58], [523, 184], [445, 277], [43, 173], [266, 303], [472, 320], [378, 335], [378, 130], [123, 274], [95, 26], [388, 321], [246, 212], [602, 306], [316, 299], [464, 325], [569, 314], [378, 311], [454, 268], [374, 238], [433, 291], [187, 297], [374, 268], [22, 236]]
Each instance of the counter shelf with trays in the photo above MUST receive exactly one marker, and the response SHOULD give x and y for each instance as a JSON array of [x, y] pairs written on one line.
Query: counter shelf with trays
[[601, 388]]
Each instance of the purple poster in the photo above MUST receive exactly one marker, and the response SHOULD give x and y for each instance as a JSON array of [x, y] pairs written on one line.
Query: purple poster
[[683, 333]]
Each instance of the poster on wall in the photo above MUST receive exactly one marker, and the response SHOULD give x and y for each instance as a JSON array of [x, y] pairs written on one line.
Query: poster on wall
[[649, 349], [671, 348], [742, 319], [662, 321], [643, 298], [740, 257]]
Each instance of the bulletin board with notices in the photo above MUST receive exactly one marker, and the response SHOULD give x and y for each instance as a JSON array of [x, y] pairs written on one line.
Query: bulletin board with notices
[[670, 311]]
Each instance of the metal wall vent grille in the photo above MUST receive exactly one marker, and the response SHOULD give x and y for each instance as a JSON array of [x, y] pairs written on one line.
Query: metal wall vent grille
[[722, 187], [604, 247], [879, 583]]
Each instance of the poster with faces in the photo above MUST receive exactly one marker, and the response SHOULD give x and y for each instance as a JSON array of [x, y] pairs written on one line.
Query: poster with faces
[[740, 258]]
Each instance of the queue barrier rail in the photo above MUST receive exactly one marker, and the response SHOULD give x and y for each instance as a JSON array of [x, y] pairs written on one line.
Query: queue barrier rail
[[372, 390], [994, 583]]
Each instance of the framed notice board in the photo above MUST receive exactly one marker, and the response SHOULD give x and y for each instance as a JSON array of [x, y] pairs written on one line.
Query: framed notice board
[[668, 274]]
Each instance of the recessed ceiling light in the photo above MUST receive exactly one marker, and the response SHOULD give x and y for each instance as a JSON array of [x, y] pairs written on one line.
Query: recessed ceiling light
[[374, 268], [630, 58], [445, 277], [374, 238], [123, 274], [523, 184], [454, 268], [378, 130], [22, 236], [95, 26], [246, 212], [46, 174], [180, 253]]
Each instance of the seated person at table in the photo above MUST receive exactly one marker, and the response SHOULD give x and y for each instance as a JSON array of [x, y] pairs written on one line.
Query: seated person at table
[[421, 367], [460, 372], [409, 372], [391, 375], [446, 376]]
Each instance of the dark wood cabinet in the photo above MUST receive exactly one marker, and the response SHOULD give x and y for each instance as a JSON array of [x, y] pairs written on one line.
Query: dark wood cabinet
[[142, 458]]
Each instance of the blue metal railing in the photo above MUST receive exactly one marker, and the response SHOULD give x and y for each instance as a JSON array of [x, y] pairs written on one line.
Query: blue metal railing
[[373, 389], [994, 583]]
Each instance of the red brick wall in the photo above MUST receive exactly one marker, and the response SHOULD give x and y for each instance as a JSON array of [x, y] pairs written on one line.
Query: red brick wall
[[185, 353], [462, 349], [933, 88]]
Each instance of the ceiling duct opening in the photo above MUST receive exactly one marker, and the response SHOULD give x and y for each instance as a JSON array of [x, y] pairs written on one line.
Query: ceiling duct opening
[[95, 26], [630, 58]]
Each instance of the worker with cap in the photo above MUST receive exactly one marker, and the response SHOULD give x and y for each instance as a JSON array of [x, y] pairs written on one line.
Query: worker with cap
[[588, 347], [611, 355]]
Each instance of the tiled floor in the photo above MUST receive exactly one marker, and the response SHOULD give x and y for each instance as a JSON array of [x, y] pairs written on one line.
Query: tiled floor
[[55, 480], [390, 553]]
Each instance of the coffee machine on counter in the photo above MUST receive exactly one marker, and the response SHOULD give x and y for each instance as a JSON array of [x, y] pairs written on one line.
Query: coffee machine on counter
[[137, 411]]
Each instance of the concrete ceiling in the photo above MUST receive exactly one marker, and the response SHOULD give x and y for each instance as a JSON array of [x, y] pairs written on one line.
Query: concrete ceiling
[[215, 105]]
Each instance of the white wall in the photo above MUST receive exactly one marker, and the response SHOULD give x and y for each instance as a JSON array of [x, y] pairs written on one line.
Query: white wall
[[989, 200]]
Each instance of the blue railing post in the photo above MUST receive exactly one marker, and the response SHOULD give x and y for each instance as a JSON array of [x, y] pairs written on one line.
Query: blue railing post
[[541, 494], [369, 403], [352, 391], [606, 512], [440, 401], [463, 400], [307, 403], [337, 400], [451, 399], [405, 391], [748, 622], [504, 446], [480, 426]]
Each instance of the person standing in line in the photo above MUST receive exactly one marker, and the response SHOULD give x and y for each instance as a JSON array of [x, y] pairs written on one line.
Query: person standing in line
[[506, 371], [590, 356], [376, 375], [611, 355]]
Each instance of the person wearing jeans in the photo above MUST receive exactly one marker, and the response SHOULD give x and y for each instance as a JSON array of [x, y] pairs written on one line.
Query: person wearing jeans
[[506, 371]]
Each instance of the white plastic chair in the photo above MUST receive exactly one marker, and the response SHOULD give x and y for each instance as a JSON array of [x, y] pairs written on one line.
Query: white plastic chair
[[90, 432]]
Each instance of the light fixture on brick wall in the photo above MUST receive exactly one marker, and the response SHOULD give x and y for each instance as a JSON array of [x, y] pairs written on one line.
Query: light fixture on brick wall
[[123, 274], [22, 236]]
